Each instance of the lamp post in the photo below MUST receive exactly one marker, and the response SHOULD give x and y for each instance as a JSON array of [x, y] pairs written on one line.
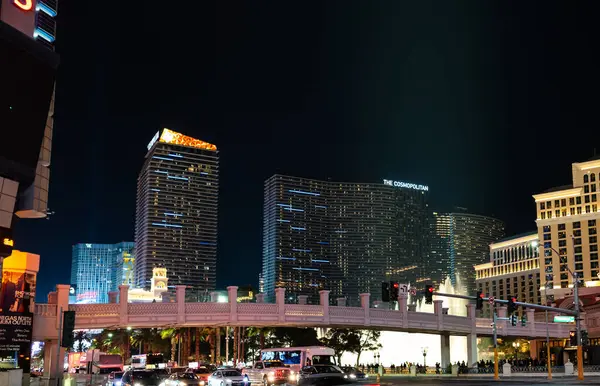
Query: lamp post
[[424, 351], [516, 346]]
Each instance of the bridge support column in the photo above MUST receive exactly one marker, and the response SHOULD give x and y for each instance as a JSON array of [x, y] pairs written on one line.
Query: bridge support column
[[472, 337], [280, 301], [50, 347], [439, 314], [445, 350], [232, 292], [180, 300], [530, 321], [324, 301], [123, 300], [302, 299], [365, 300]]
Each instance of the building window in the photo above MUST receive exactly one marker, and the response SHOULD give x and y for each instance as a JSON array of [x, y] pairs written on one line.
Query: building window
[[594, 197], [577, 233], [586, 189], [592, 177], [548, 236], [578, 257], [587, 199], [572, 211], [579, 266], [549, 213], [593, 239], [542, 205], [591, 223], [578, 200], [578, 210], [593, 188], [577, 249], [548, 261], [587, 209], [594, 248], [543, 215], [548, 204], [594, 264], [572, 201], [577, 241], [562, 227], [557, 213], [562, 235], [556, 203], [586, 178], [592, 231], [593, 256], [563, 243], [577, 225], [563, 202]]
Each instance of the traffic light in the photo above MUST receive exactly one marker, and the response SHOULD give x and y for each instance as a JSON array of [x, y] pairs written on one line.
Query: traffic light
[[385, 291], [523, 321], [584, 338], [395, 290], [513, 320], [429, 294], [67, 329], [512, 307], [479, 300], [572, 338]]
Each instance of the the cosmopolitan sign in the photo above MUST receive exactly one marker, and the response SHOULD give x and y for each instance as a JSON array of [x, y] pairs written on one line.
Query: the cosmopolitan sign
[[408, 185], [154, 139]]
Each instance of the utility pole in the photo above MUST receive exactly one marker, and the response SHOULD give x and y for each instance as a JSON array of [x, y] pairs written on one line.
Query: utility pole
[[548, 358], [58, 346], [496, 376]]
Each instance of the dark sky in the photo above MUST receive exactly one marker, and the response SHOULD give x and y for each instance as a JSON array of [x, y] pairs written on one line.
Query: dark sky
[[485, 102]]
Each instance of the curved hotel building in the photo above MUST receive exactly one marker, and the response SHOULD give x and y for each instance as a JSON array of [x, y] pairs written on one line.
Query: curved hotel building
[[176, 212], [343, 237]]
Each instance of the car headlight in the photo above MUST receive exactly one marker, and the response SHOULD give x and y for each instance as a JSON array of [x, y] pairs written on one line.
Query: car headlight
[[137, 384], [118, 383], [228, 380], [271, 374], [352, 376], [161, 384], [246, 377], [202, 383], [366, 375]]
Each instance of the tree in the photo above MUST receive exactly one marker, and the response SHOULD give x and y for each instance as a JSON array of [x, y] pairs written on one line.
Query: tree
[[341, 340], [292, 337], [148, 340], [364, 340], [174, 335], [81, 340]]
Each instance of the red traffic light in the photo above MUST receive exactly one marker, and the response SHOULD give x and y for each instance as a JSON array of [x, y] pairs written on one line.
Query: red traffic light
[[430, 289], [396, 285], [481, 295], [514, 299]]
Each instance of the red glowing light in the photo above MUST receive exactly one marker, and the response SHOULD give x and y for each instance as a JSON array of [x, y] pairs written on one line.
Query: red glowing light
[[481, 295], [25, 5], [396, 285], [430, 289]]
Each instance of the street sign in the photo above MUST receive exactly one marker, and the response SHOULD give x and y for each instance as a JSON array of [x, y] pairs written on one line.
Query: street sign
[[564, 319], [491, 300]]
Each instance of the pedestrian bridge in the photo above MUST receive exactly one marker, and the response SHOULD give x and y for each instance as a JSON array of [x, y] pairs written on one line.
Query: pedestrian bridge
[[122, 314]]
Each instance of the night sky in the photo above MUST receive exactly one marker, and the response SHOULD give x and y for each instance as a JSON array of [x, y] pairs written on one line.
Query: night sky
[[485, 102]]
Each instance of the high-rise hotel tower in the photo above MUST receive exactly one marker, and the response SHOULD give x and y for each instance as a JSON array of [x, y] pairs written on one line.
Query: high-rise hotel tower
[[176, 212], [342, 237]]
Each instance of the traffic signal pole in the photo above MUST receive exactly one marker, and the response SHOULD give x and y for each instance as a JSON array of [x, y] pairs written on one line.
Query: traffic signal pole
[[496, 373]]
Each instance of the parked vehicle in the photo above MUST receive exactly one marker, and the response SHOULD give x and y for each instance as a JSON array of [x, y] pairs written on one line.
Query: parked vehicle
[[298, 357], [114, 378], [137, 377], [183, 379], [354, 374], [202, 373]]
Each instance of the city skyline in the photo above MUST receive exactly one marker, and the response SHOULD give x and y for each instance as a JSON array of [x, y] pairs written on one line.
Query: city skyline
[[410, 109]]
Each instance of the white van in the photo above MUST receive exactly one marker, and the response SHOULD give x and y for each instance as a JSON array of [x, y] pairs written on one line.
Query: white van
[[298, 357]]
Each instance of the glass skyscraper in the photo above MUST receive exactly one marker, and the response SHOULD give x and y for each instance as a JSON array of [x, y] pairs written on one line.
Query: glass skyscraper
[[343, 237], [460, 241], [94, 270], [176, 212]]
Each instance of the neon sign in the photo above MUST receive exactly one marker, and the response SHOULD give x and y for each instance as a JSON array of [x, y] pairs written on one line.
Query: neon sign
[[400, 184], [25, 5], [8, 242]]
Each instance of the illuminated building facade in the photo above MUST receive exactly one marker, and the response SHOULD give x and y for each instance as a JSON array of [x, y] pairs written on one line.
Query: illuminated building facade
[[461, 240], [513, 270], [124, 265], [27, 32], [176, 212], [343, 237], [567, 221], [94, 270]]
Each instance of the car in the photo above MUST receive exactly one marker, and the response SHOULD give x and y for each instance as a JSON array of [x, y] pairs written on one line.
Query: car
[[322, 375], [114, 378], [354, 374], [137, 377], [183, 379], [229, 377], [203, 372]]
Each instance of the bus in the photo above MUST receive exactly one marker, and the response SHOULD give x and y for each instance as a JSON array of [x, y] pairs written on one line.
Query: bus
[[147, 361], [298, 357]]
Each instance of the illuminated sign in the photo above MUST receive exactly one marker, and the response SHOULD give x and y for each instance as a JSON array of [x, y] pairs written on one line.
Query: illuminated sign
[[175, 138], [8, 242], [154, 139], [25, 5], [408, 185], [564, 319]]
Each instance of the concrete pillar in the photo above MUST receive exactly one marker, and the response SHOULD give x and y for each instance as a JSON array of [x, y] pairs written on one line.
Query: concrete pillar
[[506, 371], [530, 315], [214, 297], [260, 298], [437, 310], [123, 304], [50, 359], [280, 301], [302, 299], [112, 296], [445, 350], [402, 302], [471, 349], [232, 293], [52, 297], [180, 300], [324, 301], [341, 302], [365, 299]]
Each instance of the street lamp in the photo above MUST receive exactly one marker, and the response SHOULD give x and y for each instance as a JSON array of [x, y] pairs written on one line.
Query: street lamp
[[424, 351], [516, 346], [110, 335]]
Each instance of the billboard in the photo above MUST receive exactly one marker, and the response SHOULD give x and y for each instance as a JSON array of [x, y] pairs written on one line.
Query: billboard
[[16, 317]]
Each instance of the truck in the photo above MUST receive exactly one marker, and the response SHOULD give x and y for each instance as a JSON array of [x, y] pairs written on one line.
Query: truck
[[270, 373], [106, 364]]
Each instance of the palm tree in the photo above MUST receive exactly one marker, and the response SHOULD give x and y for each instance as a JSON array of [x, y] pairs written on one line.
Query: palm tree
[[174, 335], [148, 340], [81, 337]]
